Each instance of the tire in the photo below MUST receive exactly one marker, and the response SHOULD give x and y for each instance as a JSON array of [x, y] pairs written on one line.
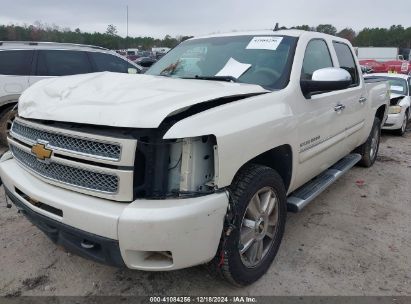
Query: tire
[[401, 131], [369, 150], [245, 268], [6, 119]]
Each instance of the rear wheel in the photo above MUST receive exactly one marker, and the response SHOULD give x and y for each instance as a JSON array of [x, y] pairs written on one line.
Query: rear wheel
[[6, 119], [258, 208], [369, 150]]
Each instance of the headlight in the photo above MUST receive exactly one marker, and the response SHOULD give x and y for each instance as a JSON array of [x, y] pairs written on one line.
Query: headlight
[[394, 110], [192, 167]]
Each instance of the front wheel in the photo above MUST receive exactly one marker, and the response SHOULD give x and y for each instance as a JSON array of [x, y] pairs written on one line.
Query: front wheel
[[401, 131], [369, 150], [258, 209]]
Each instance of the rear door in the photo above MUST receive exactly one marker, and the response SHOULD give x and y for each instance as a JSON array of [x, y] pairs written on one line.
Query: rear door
[[353, 99], [103, 62], [52, 63], [15, 68]]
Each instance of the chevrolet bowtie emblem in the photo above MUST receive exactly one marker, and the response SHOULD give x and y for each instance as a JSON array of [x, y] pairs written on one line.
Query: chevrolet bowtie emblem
[[41, 152]]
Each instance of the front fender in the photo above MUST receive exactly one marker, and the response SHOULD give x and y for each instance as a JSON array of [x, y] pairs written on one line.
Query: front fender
[[244, 129]]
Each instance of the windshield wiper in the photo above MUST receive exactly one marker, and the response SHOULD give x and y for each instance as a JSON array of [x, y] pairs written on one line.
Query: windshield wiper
[[170, 70], [216, 78]]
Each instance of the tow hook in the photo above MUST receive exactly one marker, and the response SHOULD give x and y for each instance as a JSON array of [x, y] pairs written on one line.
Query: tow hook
[[87, 244]]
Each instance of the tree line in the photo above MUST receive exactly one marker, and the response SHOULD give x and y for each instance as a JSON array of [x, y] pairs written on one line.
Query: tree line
[[110, 39], [394, 36]]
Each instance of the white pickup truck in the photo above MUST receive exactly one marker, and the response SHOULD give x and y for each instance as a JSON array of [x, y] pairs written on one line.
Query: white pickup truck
[[198, 160]]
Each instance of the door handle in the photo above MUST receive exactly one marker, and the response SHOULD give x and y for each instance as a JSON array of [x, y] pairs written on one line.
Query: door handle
[[362, 100], [339, 108]]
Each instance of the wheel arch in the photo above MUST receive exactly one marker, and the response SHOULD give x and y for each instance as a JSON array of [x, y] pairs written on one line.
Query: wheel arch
[[279, 159], [380, 113], [7, 101]]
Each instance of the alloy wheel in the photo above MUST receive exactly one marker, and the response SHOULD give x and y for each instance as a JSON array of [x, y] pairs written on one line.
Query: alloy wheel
[[258, 227]]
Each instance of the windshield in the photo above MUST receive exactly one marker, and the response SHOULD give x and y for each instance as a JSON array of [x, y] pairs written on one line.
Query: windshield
[[397, 85], [264, 61]]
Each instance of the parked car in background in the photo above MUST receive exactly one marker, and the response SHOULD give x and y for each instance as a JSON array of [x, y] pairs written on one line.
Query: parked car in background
[[24, 63], [399, 111], [159, 52], [122, 52], [132, 54], [143, 54], [145, 62], [393, 66]]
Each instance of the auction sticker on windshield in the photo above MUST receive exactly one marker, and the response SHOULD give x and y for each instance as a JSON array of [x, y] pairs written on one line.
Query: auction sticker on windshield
[[264, 43]]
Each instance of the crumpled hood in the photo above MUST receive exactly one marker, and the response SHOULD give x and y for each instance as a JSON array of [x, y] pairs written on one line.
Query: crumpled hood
[[121, 100], [395, 95]]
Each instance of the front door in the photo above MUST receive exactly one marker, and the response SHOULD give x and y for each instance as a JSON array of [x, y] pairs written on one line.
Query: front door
[[321, 126]]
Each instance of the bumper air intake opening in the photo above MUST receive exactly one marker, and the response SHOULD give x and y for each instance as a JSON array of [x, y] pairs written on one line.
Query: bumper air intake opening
[[150, 259], [39, 204]]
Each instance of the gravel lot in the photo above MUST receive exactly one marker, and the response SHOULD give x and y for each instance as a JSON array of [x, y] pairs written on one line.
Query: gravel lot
[[352, 240]]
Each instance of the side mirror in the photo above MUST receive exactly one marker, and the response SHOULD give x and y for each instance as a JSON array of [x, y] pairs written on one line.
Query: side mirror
[[326, 80], [132, 71]]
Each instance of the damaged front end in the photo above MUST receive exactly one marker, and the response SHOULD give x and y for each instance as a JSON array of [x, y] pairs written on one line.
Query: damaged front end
[[395, 107], [396, 99], [175, 168]]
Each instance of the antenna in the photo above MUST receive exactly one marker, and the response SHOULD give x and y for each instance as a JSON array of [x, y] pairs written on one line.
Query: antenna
[[277, 27]]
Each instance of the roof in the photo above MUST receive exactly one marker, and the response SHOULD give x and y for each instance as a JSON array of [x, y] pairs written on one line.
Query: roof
[[47, 45], [390, 75], [291, 33]]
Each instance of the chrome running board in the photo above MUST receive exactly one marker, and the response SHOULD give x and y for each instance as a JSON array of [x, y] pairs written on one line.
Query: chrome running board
[[308, 192]]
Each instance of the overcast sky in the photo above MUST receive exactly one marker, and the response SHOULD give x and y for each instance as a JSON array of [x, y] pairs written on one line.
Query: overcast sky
[[190, 17]]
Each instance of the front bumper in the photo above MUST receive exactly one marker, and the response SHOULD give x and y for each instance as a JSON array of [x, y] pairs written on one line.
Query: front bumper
[[153, 235], [91, 246], [394, 121]]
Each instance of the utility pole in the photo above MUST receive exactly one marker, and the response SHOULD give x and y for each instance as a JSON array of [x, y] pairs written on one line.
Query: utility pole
[[127, 30]]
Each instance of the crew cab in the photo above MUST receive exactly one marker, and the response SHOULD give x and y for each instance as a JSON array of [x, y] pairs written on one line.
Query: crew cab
[[198, 160]]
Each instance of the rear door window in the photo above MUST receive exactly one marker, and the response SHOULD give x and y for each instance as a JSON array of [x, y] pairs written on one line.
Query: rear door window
[[62, 63], [16, 62], [109, 63], [317, 56], [346, 61]]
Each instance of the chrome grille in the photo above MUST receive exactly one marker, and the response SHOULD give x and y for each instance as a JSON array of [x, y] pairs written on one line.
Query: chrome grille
[[100, 149], [69, 175]]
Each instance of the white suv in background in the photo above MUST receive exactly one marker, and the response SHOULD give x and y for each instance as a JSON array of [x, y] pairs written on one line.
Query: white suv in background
[[24, 63]]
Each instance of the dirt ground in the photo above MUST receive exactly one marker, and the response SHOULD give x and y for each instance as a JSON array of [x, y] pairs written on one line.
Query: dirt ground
[[352, 240]]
